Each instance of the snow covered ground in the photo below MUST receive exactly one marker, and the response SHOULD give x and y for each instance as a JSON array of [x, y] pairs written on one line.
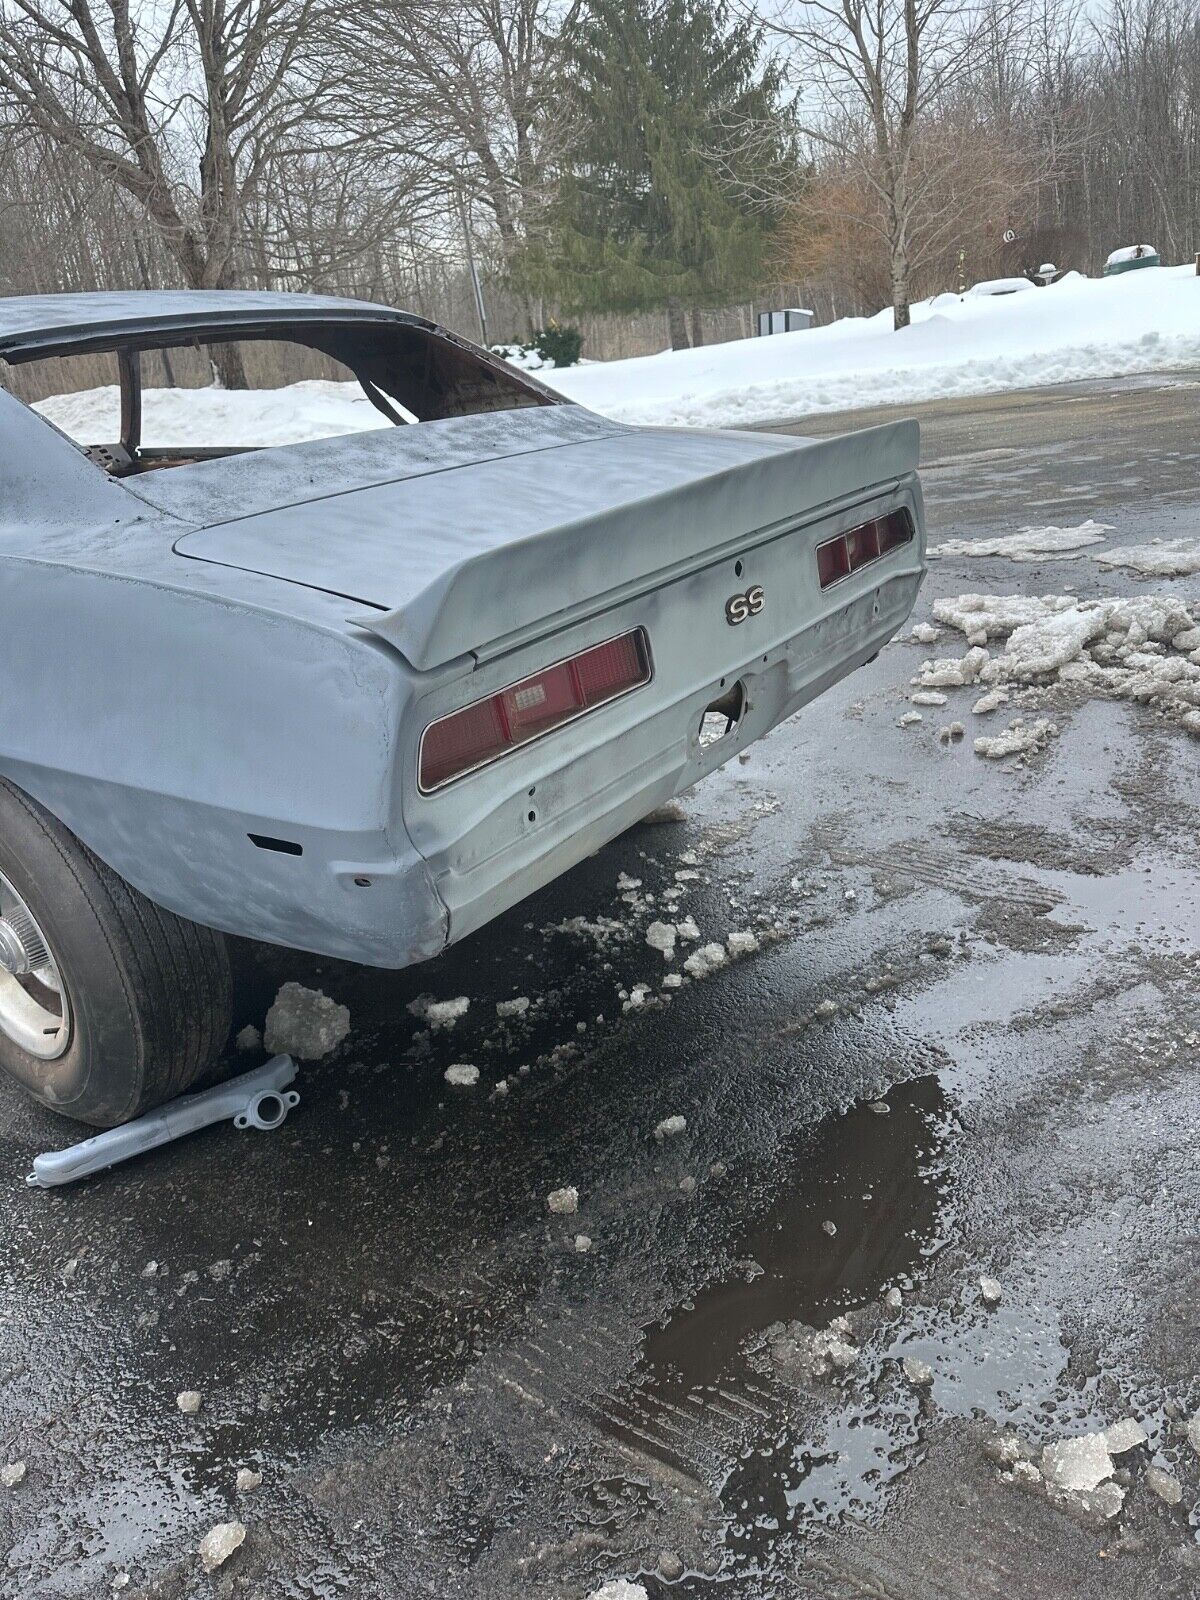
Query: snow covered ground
[[974, 344], [1077, 328]]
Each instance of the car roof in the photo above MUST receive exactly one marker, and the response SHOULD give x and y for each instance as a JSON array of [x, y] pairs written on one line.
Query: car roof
[[44, 324]]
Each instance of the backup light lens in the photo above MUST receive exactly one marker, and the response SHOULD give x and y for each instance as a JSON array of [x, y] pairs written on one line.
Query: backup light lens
[[488, 729], [837, 558]]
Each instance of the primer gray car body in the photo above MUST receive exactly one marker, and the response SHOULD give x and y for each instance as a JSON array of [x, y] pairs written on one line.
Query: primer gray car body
[[250, 647]]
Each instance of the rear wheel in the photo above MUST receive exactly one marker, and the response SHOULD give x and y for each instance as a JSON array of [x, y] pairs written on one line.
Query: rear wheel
[[108, 1004]]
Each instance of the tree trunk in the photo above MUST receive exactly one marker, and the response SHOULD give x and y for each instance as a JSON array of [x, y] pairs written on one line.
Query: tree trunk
[[899, 275], [676, 323], [697, 328], [228, 366]]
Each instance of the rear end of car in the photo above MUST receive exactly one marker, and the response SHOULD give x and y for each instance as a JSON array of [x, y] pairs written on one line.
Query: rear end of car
[[536, 756]]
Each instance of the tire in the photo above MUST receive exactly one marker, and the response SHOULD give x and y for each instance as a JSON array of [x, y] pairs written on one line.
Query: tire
[[144, 995]]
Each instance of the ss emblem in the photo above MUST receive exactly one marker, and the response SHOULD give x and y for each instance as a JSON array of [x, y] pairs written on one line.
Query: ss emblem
[[740, 606]]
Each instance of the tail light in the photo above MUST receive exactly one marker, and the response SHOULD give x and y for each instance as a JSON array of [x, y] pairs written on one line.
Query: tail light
[[488, 729], [837, 558]]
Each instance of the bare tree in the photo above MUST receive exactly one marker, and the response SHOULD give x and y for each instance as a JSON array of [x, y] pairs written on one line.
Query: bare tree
[[183, 105], [467, 87], [875, 72]]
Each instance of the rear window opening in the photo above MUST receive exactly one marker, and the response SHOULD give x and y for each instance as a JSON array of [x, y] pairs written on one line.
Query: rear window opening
[[722, 716], [165, 400]]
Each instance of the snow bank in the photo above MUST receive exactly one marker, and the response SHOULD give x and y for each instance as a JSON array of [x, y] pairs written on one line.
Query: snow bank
[[957, 345], [977, 343], [220, 417]]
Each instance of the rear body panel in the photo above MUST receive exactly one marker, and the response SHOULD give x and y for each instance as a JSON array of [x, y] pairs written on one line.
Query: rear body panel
[[253, 646]]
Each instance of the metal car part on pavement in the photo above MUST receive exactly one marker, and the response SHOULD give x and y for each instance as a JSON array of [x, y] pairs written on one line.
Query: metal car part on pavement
[[259, 1099]]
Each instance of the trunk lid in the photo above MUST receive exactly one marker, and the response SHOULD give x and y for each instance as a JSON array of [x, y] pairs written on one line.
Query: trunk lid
[[486, 536]]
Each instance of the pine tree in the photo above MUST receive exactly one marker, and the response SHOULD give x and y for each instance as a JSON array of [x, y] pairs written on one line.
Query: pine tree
[[653, 208]]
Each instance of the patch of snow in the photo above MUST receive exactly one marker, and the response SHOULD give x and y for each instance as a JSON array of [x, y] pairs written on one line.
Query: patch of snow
[[1165, 558], [563, 1202], [513, 1008], [925, 633], [994, 286], [928, 697], [688, 930], [1130, 252], [445, 1013], [705, 960], [462, 1075], [974, 344], [603, 930], [1018, 739], [619, 1589], [1045, 646], [669, 1127], [189, 1401], [743, 943], [304, 1023], [952, 674], [12, 1474], [248, 1039], [1031, 544], [247, 1480], [991, 701], [919, 1373], [661, 936], [908, 719], [1123, 649], [990, 1291], [638, 996]]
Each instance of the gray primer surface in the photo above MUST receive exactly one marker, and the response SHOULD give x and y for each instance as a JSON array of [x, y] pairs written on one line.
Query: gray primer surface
[[253, 645]]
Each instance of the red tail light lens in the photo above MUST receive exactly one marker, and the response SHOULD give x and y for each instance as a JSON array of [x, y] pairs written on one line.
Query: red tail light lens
[[837, 558], [486, 730]]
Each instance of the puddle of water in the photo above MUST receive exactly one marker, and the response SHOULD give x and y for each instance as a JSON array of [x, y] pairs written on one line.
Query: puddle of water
[[875, 1178], [786, 1483], [813, 1454], [1002, 1366], [1151, 900]]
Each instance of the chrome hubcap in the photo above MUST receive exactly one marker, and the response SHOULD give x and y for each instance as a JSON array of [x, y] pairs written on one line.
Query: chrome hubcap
[[33, 1002]]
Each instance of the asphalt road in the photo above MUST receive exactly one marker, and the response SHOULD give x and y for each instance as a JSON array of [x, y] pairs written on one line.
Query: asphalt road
[[446, 1397]]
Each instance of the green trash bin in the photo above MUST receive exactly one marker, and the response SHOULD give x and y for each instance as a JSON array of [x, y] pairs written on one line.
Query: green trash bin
[[1131, 258]]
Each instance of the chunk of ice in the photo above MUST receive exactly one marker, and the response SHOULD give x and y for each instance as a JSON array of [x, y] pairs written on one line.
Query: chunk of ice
[[1075, 1464], [1124, 1435], [304, 1023], [1032, 544], [219, 1543]]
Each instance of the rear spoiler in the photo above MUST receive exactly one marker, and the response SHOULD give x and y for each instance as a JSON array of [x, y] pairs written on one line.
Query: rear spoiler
[[499, 599]]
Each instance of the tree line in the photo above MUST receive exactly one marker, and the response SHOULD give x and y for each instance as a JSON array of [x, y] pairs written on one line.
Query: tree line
[[667, 156]]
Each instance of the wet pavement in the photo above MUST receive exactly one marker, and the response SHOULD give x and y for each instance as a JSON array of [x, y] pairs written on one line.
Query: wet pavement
[[965, 1045]]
